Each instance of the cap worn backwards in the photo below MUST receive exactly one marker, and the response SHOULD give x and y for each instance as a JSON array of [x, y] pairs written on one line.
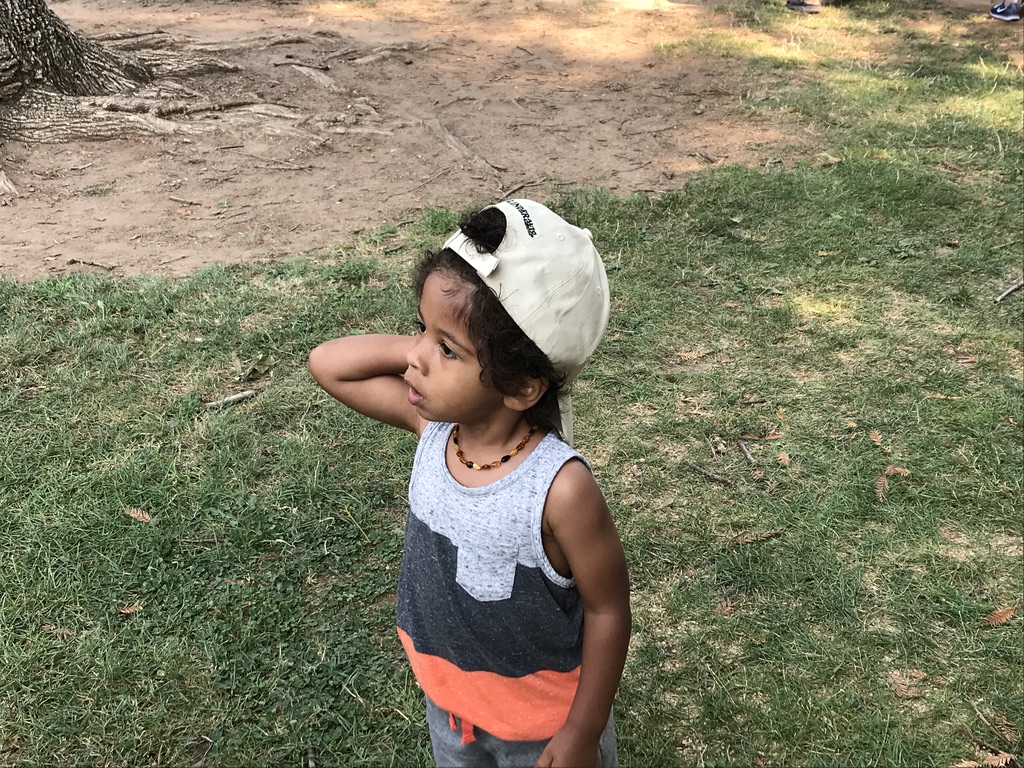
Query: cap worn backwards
[[550, 278]]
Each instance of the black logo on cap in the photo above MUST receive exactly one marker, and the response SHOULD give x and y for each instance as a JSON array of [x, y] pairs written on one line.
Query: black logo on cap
[[526, 218]]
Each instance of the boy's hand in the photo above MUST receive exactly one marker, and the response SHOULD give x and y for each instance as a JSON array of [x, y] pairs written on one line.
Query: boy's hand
[[569, 748]]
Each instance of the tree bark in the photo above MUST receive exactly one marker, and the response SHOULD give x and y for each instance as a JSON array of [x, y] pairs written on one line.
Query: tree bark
[[48, 53], [37, 50], [58, 86]]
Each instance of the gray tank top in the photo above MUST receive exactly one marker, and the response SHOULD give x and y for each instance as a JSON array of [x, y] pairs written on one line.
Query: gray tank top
[[477, 593]]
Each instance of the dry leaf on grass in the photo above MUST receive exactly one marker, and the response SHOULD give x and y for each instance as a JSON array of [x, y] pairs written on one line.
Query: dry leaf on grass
[[783, 458], [725, 608], [1007, 729], [137, 514], [882, 481], [130, 608], [902, 683], [1002, 616], [876, 438], [750, 538], [966, 764], [937, 396], [881, 486], [998, 759]]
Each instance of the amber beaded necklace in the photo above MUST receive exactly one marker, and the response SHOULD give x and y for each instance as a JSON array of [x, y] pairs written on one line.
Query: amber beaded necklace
[[473, 465]]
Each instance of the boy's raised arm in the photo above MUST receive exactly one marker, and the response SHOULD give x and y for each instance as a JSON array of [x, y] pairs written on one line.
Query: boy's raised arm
[[365, 373]]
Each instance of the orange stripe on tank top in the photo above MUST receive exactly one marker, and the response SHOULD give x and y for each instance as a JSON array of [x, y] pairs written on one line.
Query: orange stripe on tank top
[[528, 708]]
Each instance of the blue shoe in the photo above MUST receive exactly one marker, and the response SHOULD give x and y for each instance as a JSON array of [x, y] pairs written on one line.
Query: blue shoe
[[1005, 11]]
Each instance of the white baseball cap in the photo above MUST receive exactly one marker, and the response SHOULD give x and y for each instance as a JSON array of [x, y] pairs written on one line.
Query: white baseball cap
[[550, 278]]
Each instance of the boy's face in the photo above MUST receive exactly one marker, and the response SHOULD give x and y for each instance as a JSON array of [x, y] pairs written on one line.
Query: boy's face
[[444, 374]]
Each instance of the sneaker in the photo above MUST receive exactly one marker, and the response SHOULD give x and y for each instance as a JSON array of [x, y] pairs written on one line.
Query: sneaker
[[1005, 11], [808, 7]]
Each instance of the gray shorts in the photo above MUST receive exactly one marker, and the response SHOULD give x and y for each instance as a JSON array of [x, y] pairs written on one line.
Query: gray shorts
[[488, 751]]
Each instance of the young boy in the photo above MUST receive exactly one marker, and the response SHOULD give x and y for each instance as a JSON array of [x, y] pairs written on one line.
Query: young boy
[[513, 596]]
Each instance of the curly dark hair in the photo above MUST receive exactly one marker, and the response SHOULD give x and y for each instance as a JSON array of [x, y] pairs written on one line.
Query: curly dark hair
[[507, 356]]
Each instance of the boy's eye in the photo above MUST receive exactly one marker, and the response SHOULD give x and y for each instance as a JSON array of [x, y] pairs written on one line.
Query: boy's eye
[[420, 327], [447, 351]]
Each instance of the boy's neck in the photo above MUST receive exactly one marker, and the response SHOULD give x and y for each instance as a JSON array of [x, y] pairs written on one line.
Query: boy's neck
[[497, 432], [484, 443]]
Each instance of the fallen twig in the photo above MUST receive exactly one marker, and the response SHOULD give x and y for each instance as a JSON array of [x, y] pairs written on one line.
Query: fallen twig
[[1015, 287], [182, 200], [658, 129], [356, 524], [285, 167], [436, 176], [454, 142], [107, 267], [983, 744], [746, 452], [708, 474], [234, 215], [986, 722], [300, 63], [231, 400], [518, 187], [442, 107]]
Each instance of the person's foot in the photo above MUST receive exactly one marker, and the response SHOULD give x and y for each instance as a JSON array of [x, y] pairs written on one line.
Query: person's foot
[[810, 7], [1005, 11]]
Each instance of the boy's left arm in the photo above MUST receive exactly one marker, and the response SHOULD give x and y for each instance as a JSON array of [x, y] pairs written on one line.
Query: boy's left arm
[[582, 526]]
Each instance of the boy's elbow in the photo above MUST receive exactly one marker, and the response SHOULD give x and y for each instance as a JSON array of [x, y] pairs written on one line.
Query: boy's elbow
[[317, 362]]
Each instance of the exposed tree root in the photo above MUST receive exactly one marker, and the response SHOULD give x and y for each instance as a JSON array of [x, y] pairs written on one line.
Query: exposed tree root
[[44, 117], [7, 188], [175, 64]]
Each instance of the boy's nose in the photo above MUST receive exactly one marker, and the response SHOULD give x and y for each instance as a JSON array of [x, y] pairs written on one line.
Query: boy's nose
[[415, 355]]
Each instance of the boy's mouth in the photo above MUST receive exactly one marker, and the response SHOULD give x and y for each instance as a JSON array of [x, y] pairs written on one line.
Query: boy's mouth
[[415, 398]]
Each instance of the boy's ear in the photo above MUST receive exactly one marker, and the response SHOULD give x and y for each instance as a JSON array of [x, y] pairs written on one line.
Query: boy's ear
[[530, 392]]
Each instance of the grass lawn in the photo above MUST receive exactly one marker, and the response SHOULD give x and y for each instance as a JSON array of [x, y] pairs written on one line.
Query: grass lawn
[[806, 416]]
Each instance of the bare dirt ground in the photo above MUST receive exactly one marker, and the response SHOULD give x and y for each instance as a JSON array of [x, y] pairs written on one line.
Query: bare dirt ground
[[370, 111]]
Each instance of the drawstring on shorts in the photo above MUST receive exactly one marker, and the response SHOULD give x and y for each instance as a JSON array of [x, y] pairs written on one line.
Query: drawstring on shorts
[[468, 736]]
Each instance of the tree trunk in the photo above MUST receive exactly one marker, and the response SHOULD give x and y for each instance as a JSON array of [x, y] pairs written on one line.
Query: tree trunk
[[37, 50]]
